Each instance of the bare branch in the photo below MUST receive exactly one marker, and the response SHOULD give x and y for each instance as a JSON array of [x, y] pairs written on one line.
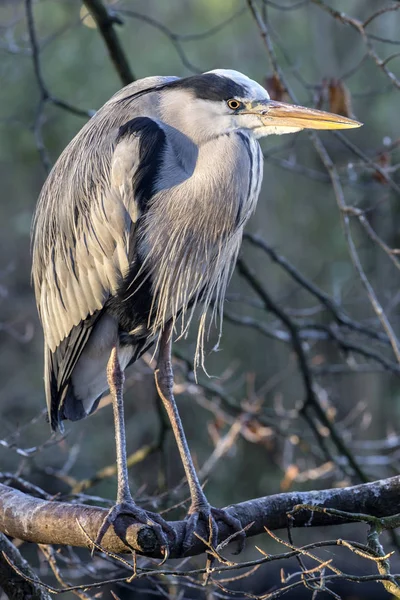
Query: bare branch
[[47, 522], [105, 21], [311, 399], [16, 586], [45, 95]]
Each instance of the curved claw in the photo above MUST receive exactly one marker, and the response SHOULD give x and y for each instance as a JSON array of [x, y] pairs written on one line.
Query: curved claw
[[210, 515], [130, 509]]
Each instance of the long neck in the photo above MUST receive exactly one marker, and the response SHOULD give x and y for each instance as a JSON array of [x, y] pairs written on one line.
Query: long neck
[[193, 230], [208, 186]]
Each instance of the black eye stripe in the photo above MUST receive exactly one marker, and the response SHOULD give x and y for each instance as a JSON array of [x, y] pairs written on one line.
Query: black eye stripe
[[210, 86]]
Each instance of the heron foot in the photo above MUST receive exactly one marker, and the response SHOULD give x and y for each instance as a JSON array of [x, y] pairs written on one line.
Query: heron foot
[[128, 508], [211, 515]]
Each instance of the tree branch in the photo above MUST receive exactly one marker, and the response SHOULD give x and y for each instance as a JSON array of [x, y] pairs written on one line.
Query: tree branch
[[105, 21], [15, 586], [50, 522]]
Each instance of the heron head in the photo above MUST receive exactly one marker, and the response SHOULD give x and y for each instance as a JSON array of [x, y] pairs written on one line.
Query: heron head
[[220, 101]]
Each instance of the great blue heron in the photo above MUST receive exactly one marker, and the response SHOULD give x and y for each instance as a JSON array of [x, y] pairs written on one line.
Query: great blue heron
[[139, 221]]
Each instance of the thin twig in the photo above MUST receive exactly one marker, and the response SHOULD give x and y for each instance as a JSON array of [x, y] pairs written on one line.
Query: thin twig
[[106, 21]]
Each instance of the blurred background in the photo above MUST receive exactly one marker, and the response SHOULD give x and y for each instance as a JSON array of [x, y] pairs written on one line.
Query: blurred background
[[251, 430]]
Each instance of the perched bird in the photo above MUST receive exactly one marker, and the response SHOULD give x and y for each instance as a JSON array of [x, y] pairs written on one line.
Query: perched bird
[[139, 222]]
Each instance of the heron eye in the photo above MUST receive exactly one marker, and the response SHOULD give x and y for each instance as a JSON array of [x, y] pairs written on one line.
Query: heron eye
[[234, 104]]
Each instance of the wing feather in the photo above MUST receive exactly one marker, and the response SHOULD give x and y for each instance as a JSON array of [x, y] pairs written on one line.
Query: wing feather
[[83, 230]]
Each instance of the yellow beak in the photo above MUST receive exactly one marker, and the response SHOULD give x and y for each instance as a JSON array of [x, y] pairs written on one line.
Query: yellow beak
[[280, 114]]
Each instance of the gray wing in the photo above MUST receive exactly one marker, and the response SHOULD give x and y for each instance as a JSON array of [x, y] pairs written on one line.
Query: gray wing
[[84, 227]]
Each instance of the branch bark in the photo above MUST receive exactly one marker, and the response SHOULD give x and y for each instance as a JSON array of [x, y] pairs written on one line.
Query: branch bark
[[51, 522], [105, 21]]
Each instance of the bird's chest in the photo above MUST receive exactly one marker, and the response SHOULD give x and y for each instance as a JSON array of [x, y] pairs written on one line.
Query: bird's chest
[[218, 194], [227, 181], [193, 230], [191, 223]]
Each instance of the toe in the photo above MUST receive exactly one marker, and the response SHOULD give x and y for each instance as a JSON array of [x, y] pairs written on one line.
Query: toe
[[210, 516], [238, 534], [102, 532], [156, 518], [191, 525], [153, 520], [213, 532]]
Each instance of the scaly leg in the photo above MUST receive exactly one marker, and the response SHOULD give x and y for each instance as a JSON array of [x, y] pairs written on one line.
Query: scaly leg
[[200, 508], [125, 504]]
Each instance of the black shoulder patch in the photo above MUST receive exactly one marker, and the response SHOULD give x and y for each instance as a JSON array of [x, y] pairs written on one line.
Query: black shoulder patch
[[210, 86], [151, 146]]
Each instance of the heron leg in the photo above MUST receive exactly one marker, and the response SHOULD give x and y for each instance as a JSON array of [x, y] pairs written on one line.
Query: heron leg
[[116, 380], [125, 504], [200, 508]]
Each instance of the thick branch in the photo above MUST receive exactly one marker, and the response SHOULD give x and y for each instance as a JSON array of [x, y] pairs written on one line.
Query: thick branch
[[105, 21], [46, 522]]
